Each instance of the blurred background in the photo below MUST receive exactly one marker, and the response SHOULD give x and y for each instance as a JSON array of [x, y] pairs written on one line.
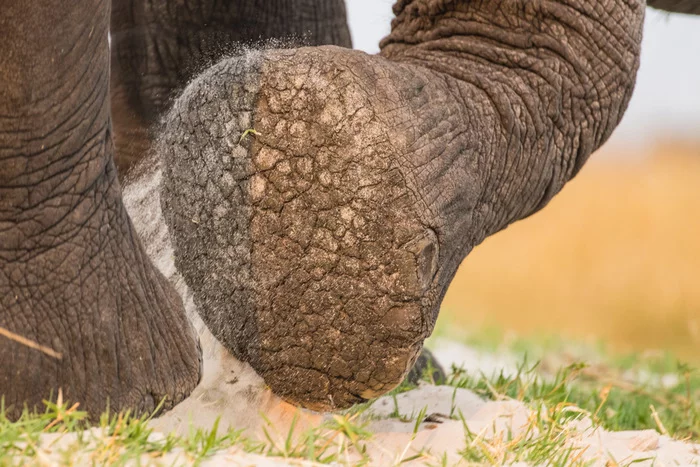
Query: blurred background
[[615, 257]]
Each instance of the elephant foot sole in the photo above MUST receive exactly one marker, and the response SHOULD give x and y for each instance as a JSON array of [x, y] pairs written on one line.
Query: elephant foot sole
[[296, 224]]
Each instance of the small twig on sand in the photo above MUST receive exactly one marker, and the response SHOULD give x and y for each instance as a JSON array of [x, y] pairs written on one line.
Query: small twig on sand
[[31, 344], [657, 419]]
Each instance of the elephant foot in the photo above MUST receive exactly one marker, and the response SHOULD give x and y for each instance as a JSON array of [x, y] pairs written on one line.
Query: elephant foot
[[427, 368], [297, 222], [82, 309], [320, 199]]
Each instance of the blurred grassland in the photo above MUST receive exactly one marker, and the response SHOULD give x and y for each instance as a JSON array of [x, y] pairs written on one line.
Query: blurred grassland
[[615, 257]]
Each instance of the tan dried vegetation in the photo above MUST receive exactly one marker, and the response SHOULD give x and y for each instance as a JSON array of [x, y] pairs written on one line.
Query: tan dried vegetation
[[615, 257]]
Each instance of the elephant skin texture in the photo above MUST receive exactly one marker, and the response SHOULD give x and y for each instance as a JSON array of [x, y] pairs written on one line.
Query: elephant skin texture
[[230, 390], [320, 199], [82, 309], [160, 46], [690, 7]]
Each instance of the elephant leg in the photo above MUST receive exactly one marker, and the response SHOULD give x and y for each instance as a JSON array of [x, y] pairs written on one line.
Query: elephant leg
[[690, 7], [320, 199], [82, 309], [159, 46], [427, 363]]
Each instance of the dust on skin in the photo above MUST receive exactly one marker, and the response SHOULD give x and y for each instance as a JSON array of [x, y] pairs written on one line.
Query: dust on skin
[[231, 390]]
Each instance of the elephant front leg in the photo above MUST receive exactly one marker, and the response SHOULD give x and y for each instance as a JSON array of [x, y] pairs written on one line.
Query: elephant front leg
[[159, 47], [304, 243], [320, 200], [82, 309]]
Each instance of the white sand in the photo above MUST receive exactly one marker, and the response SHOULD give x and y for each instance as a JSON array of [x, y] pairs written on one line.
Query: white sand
[[231, 390], [393, 439]]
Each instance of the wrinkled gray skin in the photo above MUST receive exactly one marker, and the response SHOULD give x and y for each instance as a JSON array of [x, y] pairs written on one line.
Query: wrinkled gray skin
[[82, 309], [160, 46], [690, 7], [319, 248]]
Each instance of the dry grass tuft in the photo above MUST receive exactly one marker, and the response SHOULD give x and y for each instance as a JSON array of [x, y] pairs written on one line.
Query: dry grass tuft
[[30, 343]]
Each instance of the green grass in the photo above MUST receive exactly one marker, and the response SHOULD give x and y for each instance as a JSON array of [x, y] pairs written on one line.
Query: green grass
[[543, 442], [612, 402], [121, 439], [116, 440], [623, 390], [610, 393], [617, 392]]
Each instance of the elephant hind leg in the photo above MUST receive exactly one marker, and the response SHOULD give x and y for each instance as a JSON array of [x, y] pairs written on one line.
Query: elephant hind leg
[[159, 46]]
